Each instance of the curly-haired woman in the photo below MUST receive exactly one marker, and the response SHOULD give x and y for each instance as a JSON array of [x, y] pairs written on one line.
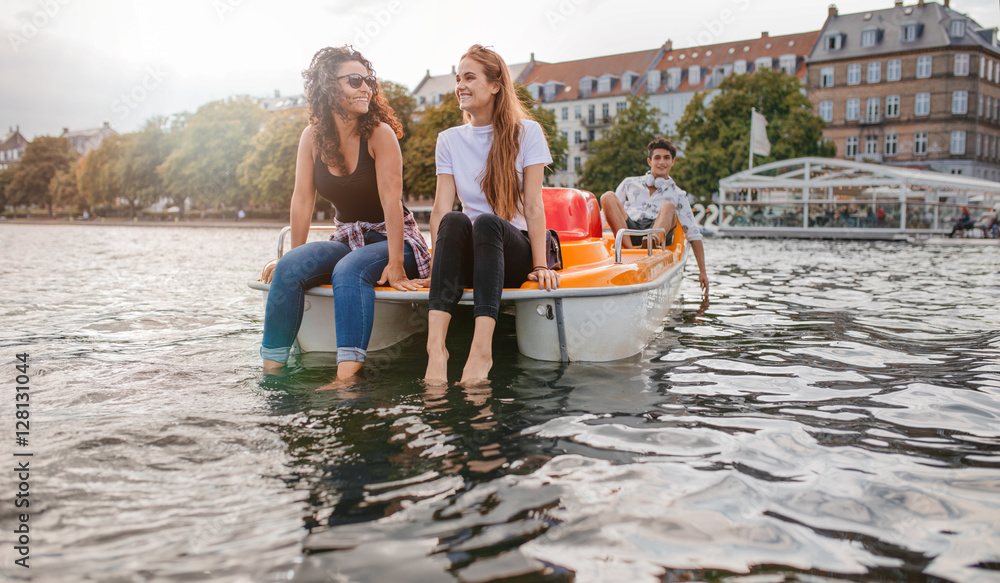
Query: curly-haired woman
[[494, 163], [350, 155]]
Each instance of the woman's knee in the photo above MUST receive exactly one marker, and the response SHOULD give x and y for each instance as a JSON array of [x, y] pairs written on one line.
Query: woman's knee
[[487, 225], [455, 220]]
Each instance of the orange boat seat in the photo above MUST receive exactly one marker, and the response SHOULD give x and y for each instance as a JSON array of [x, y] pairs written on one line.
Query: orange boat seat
[[574, 213]]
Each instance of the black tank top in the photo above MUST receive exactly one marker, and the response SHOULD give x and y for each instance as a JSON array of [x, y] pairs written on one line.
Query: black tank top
[[355, 196]]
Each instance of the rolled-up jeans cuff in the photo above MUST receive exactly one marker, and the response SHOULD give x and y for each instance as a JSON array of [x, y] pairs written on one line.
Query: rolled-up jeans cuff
[[485, 310], [347, 354], [275, 354]]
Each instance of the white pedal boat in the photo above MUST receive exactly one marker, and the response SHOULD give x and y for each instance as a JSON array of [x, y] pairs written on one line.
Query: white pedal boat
[[610, 304]]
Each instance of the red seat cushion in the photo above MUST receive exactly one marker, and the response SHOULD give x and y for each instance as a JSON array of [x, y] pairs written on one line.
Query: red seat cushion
[[572, 213]]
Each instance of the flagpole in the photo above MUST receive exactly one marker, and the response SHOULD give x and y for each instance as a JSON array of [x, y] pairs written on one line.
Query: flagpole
[[752, 111]]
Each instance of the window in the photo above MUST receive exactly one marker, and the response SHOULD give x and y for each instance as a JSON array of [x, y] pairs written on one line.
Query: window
[[577, 136], [826, 77], [893, 70], [960, 102], [853, 110], [591, 114], [892, 106], [762, 63], [871, 145], [874, 72], [920, 143], [982, 68], [869, 38], [565, 113], [979, 144], [872, 109], [826, 111], [910, 33], [891, 144], [653, 80], [577, 112], [957, 28], [694, 75], [604, 84], [979, 111], [854, 74], [740, 67], [923, 67], [620, 106], [787, 63], [674, 75], [922, 104], [961, 64], [576, 163], [957, 142], [605, 110], [989, 70], [590, 135], [851, 146], [833, 41]]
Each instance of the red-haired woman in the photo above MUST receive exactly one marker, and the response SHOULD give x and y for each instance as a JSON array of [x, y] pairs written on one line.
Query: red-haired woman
[[494, 163], [349, 153]]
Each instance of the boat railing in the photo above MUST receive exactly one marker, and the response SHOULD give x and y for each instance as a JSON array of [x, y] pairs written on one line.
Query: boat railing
[[649, 241], [284, 231]]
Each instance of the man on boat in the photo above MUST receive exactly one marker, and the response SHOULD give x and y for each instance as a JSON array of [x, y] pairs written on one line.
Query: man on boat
[[654, 201]]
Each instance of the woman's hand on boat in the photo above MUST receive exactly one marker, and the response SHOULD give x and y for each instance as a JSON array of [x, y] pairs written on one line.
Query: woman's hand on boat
[[268, 272], [546, 278], [395, 276]]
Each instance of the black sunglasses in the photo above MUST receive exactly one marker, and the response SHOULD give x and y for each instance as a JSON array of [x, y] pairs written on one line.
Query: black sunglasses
[[355, 80]]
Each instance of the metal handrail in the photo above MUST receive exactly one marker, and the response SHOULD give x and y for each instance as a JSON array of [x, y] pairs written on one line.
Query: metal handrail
[[649, 242], [281, 236]]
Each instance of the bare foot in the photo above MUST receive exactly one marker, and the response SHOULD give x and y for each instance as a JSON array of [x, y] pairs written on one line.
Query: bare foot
[[477, 369], [437, 367], [273, 366]]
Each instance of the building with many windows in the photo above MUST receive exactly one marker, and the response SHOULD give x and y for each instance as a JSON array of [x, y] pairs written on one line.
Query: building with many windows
[[586, 94], [913, 85], [12, 148]]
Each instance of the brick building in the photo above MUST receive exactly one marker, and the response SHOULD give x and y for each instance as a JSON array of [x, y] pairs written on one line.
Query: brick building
[[912, 85]]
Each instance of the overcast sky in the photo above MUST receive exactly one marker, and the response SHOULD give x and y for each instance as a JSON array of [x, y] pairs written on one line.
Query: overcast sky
[[79, 63]]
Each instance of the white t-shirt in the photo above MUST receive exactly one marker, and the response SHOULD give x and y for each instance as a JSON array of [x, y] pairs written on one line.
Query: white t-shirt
[[462, 152]]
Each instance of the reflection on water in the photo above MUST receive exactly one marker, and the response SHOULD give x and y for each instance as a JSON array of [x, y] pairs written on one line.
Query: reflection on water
[[832, 414]]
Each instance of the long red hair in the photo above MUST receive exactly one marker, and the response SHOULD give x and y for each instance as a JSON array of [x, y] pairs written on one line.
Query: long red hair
[[499, 180]]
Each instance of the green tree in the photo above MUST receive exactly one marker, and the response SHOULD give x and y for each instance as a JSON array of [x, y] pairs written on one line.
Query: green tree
[[5, 177], [419, 172], [43, 157], [558, 146], [268, 171], [142, 153], [403, 103], [212, 144], [717, 134], [97, 177], [621, 149], [63, 189]]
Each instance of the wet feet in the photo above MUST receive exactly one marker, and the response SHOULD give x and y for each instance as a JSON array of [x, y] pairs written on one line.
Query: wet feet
[[437, 367]]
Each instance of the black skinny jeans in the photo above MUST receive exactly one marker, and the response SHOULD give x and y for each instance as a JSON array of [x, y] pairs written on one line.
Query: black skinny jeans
[[488, 253]]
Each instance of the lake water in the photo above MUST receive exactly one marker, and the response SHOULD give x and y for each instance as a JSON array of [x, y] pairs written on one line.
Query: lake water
[[832, 414]]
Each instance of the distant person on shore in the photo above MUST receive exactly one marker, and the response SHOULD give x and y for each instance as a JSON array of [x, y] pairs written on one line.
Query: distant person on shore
[[350, 154], [654, 201], [963, 223], [494, 163]]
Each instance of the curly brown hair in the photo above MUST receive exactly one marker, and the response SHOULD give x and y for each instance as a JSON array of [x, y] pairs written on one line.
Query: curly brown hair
[[325, 98]]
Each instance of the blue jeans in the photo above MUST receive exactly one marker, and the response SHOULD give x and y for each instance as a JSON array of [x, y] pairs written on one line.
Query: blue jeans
[[353, 275]]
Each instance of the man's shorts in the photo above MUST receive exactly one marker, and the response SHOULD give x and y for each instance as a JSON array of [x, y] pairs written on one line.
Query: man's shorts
[[641, 224]]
